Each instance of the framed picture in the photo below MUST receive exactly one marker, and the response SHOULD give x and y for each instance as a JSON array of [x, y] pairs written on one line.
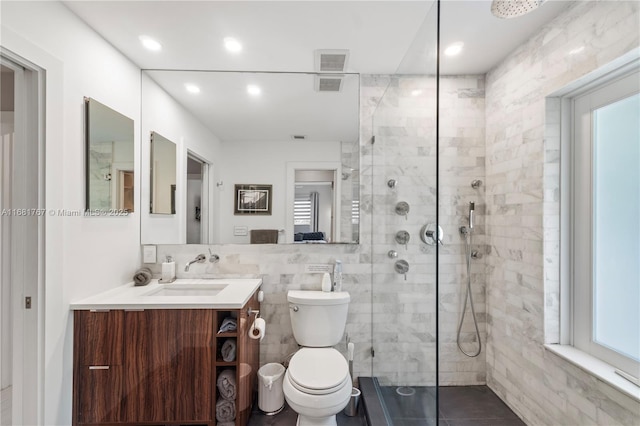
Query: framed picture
[[252, 199]]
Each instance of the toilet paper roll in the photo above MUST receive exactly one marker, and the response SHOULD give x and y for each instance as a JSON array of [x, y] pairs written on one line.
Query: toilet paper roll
[[257, 330]]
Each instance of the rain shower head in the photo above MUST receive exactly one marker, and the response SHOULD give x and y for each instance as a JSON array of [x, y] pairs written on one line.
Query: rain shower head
[[506, 9]]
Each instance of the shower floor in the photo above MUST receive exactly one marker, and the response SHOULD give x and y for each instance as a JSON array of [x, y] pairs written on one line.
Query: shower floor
[[459, 406]]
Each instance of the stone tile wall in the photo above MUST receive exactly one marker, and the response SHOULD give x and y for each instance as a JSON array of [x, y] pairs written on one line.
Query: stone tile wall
[[522, 216]]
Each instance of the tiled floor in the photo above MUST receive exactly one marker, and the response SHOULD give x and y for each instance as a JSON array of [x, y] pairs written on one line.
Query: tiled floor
[[459, 406], [474, 405], [287, 417]]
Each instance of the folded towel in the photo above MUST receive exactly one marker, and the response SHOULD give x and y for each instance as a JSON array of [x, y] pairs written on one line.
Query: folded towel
[[227, 384], [225, 410], [226, 424], [263, 236], [142, 277], [228, 324], [228, 350]]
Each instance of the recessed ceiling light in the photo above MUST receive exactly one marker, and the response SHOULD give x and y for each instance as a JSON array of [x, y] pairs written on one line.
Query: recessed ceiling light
[[232, 45], [416, 92], [253, 90], [150, 43], [192, 88], [454, 48]]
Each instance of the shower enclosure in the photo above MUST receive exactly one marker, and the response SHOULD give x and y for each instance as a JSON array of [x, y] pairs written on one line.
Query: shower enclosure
[[403, 159]]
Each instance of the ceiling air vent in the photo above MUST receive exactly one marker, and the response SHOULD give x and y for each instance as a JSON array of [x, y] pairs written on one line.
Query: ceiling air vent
[[329, 83], [331, 60]]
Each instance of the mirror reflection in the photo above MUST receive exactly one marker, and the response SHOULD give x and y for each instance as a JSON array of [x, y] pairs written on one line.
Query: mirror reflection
[[259, 128], [109, 158], [163, 175]]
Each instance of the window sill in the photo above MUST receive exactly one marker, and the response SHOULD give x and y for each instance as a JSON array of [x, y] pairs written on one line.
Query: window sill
[[597, 368]]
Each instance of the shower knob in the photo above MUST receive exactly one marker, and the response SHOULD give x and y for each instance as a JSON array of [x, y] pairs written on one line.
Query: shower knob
[[402, 237], [402, 267], [402, 208]]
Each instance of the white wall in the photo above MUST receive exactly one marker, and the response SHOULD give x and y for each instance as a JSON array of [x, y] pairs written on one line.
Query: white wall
[[83, 255], [164, 115], [266, 165]]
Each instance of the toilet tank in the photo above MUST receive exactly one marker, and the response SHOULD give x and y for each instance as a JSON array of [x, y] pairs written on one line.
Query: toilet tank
[[318, 318]]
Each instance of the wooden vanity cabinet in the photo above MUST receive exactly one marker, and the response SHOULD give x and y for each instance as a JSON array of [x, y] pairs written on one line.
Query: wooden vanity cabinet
[[159, 366], [169, 364]]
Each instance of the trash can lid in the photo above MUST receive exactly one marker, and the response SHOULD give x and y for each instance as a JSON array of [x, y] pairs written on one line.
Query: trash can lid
[[271, 369], [318, 369]]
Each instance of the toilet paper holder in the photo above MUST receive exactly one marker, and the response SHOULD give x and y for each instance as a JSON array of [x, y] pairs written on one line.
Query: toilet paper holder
[[253, 312]]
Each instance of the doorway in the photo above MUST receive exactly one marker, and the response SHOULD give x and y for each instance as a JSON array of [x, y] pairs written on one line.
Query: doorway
[[21, 228]]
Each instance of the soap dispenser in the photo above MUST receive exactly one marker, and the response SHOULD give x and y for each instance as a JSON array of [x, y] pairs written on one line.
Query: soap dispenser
[[337, 276], [326, 282], [168, 271]]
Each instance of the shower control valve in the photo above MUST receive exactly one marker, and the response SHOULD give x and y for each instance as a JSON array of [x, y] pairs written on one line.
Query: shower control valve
[[429, 235]]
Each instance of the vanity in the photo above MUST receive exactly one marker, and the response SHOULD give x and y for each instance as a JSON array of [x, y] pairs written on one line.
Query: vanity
[[151, 355]]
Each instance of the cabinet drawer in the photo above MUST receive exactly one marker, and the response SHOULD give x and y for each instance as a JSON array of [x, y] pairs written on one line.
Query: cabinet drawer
[[100, 394], [99, 337]]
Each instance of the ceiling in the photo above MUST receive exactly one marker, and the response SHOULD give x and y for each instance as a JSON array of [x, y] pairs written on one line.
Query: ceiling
[[282, 35], [288, 105], [383, 37]]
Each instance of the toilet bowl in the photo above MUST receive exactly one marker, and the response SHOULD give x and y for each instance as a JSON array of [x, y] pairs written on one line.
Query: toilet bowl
[[317, 385]]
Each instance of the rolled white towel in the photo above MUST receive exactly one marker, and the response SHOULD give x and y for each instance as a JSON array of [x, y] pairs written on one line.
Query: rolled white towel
[[227, 384], [225, 410], [226, 424], [228, 350]]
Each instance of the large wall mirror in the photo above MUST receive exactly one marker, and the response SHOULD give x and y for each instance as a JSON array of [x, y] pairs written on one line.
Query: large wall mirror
[[109, 158], [273, 143]]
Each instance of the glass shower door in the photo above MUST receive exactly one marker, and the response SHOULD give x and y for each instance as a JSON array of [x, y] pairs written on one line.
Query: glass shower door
[[404, 236]]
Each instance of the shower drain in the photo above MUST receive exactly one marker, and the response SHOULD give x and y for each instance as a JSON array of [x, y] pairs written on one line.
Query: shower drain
[[405, 391]]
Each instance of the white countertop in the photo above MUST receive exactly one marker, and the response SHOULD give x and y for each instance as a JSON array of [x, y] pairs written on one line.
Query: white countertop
[[233, 296]]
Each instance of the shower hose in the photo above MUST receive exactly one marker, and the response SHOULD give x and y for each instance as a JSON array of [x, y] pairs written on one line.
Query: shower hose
[[466, 232]]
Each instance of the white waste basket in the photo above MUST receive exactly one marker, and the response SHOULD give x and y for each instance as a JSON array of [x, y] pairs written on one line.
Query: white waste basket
[[270, 395]]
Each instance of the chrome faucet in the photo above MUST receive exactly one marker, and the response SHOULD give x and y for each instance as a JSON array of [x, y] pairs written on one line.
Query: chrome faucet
[[199, 259]]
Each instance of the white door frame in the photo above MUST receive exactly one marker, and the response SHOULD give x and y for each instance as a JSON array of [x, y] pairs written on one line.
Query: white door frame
[[26, 255]]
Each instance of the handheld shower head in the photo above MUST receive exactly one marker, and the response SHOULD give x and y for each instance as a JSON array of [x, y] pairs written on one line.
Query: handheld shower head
[[472, 213]]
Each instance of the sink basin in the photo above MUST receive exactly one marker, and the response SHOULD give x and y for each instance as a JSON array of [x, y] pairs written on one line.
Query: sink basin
[[173, 290]]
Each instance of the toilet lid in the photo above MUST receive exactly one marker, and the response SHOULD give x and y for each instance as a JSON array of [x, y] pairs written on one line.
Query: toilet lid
[[317, 370]]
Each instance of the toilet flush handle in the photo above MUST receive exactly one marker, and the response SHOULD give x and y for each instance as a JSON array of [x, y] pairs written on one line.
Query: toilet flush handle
[[294, 307]]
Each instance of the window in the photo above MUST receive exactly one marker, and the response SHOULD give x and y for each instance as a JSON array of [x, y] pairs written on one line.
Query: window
[[605, 223]]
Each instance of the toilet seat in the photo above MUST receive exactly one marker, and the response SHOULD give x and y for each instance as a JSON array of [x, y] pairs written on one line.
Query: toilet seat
[[318, 371]]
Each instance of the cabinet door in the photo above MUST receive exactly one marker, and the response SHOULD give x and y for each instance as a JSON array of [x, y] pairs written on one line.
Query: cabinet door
[[168, 365], [99, 394], [98, 337]]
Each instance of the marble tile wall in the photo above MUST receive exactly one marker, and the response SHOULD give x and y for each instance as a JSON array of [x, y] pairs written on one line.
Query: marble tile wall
[[522, 216], [404, 326], [394, 316], [462, 159]]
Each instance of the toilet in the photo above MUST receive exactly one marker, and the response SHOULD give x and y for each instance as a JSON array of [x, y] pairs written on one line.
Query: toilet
[[317, 384]]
